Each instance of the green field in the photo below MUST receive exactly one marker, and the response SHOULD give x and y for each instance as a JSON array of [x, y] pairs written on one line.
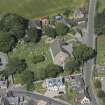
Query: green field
[[101, 50], [37, 8]]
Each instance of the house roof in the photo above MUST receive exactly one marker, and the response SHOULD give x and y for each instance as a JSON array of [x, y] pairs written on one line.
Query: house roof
[[35, 23], [54, 82], [78, 12], [56, 47], [68, 48]]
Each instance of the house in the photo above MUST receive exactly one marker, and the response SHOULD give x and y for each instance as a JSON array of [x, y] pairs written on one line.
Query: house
[[82, 100], [60, 51], [35, 23], [78, 13], [102, 80], [13, 100], [55, 84], [3, 60], [3, 84], [10, 100], [58, 17], [76, 82], [85, 101], [78, 35], [45, 20]]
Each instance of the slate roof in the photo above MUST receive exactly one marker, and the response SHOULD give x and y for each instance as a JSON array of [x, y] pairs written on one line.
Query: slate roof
[[54, 82], [68, 48], [56, 47]]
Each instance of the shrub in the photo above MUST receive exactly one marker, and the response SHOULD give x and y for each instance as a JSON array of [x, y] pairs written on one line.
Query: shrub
[[97, 84], [101, 93], [38, 59]]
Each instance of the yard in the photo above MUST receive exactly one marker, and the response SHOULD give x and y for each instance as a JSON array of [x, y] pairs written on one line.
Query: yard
[[101, 50], [100, 5], [38, 8], [29, 50]]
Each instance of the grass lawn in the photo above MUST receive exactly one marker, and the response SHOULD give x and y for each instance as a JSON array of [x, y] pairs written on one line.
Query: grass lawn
[[101, 5], [37, 8], [101, 50], [29, 50], [39, 88]]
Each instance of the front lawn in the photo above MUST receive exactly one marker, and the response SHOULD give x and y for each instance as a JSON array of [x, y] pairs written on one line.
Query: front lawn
[[101, 50]]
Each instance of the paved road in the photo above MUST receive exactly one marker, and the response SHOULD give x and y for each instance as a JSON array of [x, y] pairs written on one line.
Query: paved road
[[36, 96], [90, 42]]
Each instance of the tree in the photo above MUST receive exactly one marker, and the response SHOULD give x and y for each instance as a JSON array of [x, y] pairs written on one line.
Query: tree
[[50, 31], [14, 24], [72, 65], [97, 84], [83, 53], [38, 59], [15, 65], [100, 93], [34, 34], [27, 77], [61, 29], [53, 70], [100, 23], [66, 13], [7, 42]]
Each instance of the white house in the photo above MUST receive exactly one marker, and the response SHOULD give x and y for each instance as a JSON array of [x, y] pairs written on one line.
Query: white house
[[55, 84], [85, 101]]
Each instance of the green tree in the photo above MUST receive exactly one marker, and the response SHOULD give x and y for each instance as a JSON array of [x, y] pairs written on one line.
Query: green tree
[[66, 13], [15, 65], [27, 77], [97, 84], [83, 53], [34, 35], [38, 59], [53, 70], [14, 24], [61, 29], [100, 23], [50, 31], [7, 42], [72, 65]]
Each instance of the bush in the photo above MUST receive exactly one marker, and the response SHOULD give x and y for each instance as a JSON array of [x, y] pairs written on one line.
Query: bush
[[53, 70], [38, 59], [97, 84], [101, 93]]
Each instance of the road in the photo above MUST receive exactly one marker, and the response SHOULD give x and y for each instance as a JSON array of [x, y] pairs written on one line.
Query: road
[[37, 96], [90, 42]]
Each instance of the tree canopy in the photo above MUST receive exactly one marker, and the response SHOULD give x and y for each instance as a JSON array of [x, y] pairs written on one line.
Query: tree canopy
[[61, 29], [100, 23], [33, 35], [7, 42], [15, 65], [72, 65], [53, 70], [14, 24], [83, 53], [27, 77], [50, 31]]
